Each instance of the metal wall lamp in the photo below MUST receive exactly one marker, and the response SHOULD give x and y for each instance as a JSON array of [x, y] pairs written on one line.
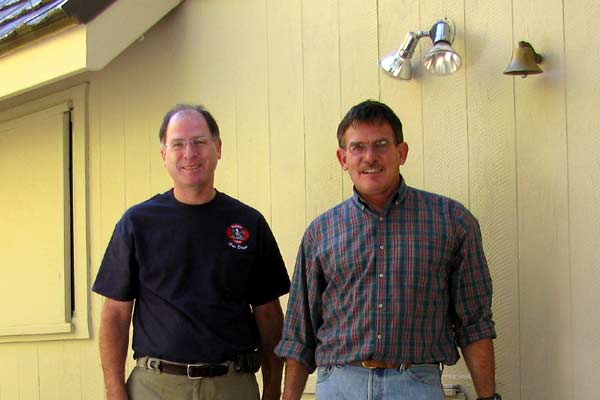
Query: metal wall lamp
[[442, 59], [524, 61]]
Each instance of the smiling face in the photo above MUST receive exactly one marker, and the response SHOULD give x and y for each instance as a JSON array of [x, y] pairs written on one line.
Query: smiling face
[[372, 157], [190, 154]]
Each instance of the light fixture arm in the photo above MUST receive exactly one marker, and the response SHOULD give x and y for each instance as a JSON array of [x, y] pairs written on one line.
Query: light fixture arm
[[408, 47]]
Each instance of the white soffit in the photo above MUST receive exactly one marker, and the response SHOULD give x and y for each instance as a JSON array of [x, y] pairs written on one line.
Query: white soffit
[[79, 48]]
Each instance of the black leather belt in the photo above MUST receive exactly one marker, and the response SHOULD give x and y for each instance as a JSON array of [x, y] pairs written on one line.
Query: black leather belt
[[192, 371]]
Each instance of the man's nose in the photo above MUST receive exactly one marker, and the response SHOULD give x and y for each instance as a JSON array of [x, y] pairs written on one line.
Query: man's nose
[[370, 153], [188, 150]]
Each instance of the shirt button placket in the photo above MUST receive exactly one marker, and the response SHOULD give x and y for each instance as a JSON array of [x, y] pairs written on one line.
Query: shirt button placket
[[380, 283]]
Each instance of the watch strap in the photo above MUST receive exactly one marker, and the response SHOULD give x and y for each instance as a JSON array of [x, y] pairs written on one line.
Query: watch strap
[[496, 396]]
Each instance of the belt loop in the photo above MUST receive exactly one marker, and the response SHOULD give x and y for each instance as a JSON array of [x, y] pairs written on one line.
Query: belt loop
[[405, 365]]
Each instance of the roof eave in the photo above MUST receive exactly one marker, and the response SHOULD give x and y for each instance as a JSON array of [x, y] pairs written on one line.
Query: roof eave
[[79, 48]]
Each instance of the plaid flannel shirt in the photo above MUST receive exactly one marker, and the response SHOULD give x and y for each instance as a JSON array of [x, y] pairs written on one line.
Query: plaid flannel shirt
[[407, 284]]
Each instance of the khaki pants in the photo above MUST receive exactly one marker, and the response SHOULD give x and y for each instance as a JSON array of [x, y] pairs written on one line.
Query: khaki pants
[[146, 384]]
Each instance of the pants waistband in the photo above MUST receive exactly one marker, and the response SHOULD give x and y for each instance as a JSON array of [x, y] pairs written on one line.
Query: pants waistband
[[192, 371]]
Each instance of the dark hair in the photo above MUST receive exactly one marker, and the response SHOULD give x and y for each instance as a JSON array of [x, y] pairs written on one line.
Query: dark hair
[[210, 121], [370, 111]]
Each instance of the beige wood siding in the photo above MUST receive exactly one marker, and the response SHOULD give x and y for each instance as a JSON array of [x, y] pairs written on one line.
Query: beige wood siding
[[522, 154]]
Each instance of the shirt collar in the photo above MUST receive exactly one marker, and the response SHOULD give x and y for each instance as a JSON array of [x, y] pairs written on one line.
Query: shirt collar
[[396, 199]]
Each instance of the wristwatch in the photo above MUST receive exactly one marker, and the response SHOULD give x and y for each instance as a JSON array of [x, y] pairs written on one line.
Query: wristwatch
[[496, 396]]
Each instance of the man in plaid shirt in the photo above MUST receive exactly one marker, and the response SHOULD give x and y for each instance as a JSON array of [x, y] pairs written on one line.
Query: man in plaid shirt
[[388, 283]]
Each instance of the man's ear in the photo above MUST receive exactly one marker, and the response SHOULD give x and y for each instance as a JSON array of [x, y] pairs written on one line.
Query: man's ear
[[403, 151], [219, 145], [341, 156]]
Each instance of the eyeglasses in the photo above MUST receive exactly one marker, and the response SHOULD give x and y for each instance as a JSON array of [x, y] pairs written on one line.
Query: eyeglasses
[[360, 148], [180, 145]]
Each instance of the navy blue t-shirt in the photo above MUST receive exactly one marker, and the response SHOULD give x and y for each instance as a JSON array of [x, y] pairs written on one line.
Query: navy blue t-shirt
[[194, 272]]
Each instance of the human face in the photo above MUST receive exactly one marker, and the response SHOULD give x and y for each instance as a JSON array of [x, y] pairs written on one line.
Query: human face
[[372, 159], [190, 153]]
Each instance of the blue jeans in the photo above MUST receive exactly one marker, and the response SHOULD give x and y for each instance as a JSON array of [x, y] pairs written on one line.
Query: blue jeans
[[349, 382]]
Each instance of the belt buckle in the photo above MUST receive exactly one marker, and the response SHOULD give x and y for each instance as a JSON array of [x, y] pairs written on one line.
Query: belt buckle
[[189, 366], [153, 364]]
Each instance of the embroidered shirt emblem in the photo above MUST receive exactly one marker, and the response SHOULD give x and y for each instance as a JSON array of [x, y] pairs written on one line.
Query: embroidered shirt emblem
[[238, 235]]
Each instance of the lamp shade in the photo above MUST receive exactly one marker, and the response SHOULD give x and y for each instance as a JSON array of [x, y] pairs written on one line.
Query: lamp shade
[[397, 66], [442, 59]]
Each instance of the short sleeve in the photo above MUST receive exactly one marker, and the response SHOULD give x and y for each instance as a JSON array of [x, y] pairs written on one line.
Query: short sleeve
[[118, 274], [270, 279]]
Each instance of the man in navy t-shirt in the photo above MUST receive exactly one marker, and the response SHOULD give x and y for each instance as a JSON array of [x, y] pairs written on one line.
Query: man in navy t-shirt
[[205, 275]]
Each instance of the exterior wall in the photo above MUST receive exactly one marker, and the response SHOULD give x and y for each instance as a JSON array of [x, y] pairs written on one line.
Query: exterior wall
[[278, 76]]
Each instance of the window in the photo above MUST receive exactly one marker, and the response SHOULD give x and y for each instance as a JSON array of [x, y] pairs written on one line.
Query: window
[[43, 214]]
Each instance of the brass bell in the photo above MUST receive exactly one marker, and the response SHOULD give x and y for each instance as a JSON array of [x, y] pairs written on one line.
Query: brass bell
[[524, 61]]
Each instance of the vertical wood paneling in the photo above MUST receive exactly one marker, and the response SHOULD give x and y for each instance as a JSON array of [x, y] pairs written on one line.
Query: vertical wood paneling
[[138, 148], [9, 389], [396, 19], [320, 40], [583, 144], [286, 125], [543, 208], [444, 110], [59, 372], [19, 371], [359, 78], [491, 158], [210, 65], [252, 104], [93, 387]]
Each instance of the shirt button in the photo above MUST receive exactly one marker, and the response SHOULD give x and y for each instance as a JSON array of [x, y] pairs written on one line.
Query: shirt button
[[381, 247], [379, 337], [380, 305], [381, 219], [381, 275]]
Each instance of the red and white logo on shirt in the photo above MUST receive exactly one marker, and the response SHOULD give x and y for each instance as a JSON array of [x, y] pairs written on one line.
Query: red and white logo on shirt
[[238, 235]]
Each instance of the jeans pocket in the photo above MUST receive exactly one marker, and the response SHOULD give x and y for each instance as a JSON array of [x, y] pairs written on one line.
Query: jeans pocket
[[427, 374], [323, 373]]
